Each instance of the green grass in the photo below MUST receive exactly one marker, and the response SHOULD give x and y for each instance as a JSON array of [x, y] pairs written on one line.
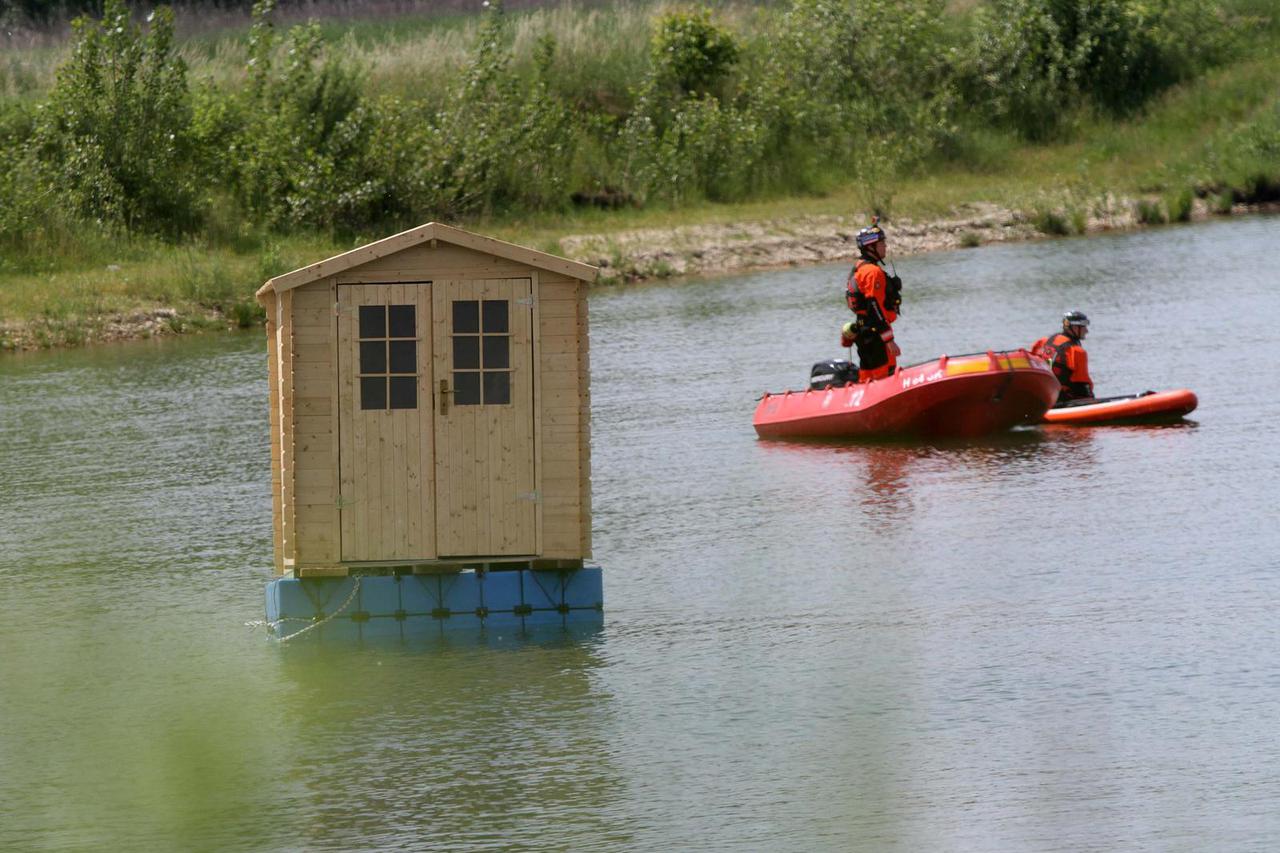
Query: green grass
[[60, 283]]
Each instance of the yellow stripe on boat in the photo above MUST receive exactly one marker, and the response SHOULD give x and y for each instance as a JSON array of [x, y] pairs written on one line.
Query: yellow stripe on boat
[[977, 365]]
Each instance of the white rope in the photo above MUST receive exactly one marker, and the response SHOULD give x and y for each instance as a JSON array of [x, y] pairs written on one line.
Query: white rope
[[315, 623]]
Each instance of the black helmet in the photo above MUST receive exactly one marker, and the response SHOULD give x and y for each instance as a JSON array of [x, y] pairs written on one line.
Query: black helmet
[[873, 233], [1075, 318]]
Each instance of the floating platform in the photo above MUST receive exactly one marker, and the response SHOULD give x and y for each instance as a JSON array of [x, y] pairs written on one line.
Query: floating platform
[[407, 606]]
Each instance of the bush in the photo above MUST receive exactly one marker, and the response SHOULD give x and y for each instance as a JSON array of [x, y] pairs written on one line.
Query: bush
[[1039, 60], [691, 53], [114, 139], [1149, 212], [299, 138], [1050, 222], [1179, 205]]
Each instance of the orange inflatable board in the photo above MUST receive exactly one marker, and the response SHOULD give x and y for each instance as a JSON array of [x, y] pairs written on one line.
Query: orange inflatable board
[[1147, 407], [952, 396]]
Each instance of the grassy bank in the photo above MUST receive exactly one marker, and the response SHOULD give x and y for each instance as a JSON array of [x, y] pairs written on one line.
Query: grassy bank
[[602, 101]]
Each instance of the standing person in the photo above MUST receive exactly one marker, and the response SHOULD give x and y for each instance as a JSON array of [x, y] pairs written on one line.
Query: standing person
[[1066, 355], [875, 298]]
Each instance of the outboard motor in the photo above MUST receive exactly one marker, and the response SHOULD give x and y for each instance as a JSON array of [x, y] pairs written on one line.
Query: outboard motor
[[835, 373]]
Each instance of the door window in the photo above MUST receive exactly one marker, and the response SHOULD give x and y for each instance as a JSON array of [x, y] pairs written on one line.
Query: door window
[[481, 352], [388, 357]]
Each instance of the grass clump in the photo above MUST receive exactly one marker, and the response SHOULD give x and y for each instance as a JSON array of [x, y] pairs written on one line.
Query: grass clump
[[1050, 222], [1149, 212]]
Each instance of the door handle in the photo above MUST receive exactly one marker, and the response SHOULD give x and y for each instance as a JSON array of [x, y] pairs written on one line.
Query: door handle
[[444, 396]]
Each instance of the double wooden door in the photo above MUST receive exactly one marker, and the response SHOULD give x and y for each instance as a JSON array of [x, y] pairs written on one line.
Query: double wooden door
[[436, 420]]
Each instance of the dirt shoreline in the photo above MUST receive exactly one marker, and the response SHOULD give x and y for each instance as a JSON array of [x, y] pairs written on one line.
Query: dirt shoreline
[[663, 253]]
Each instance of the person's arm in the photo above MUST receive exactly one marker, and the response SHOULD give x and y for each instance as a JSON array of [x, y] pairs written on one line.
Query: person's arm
[[1078, 360]]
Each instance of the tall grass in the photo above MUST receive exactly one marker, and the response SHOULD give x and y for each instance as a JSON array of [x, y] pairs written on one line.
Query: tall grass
[[327, 134]]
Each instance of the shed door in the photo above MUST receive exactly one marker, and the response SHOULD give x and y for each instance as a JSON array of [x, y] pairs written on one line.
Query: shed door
[[484, 424], [385, 426]]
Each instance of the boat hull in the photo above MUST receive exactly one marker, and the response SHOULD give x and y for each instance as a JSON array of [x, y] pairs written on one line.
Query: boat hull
[[960, 396], [1149, 408]]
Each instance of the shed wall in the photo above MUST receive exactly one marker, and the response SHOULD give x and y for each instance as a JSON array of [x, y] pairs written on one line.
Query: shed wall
[[315, 371], [305, 465], [565, 407]]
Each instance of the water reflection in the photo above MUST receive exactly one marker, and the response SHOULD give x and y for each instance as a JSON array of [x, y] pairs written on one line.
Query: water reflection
[[465, 737]]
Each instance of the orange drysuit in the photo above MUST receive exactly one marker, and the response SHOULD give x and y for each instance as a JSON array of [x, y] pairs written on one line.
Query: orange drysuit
[[1070, 364], [866, 293]]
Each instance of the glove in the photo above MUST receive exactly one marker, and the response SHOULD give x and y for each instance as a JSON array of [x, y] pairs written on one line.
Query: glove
[[894, 348]]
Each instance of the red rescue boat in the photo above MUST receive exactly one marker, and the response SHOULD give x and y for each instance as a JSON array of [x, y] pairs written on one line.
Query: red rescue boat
[[1149, 407], [952, 396]]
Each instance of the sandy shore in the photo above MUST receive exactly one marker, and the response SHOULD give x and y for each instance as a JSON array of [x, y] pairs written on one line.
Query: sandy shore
[[701, 250]]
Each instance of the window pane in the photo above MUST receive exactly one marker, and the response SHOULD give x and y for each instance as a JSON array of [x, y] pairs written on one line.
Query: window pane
[[497, 351], [466, 352], [373, 321], [402, 322], [466, 316], [495, 315], [497, 388], [466, 387], [404, 392], [373, 356], [404, 356], [373, 392]]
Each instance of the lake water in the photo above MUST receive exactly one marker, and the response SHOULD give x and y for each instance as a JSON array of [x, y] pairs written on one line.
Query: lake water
[[1048, 640]]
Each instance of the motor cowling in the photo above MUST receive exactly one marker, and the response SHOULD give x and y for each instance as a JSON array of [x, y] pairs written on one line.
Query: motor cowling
[[835, 373]]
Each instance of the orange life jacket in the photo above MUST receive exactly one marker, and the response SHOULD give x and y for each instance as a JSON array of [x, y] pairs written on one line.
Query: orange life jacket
[[1070, 364], [866, 291]]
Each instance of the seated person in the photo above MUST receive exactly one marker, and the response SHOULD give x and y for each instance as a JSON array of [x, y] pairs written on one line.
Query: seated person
[[1066, 355]]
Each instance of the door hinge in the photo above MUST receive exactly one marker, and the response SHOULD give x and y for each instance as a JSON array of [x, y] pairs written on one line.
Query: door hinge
[[528, 496], [343, 503], [525, 300]]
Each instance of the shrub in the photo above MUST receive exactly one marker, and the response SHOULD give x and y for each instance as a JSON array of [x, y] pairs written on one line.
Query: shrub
[[114, 139], [1149, 212], [1179, 205], [690, 52], [1050, 222], [1038, 60], [300, 136]]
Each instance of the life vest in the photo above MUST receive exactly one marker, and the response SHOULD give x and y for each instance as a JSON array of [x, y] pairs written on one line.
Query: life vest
[[867, 294], [1070, 364]]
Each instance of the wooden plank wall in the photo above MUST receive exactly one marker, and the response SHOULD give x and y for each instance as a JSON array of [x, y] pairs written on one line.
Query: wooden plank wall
[[284, 361], [273, 407], [565, 411], [442, 262], [305, 461], [315, 415]]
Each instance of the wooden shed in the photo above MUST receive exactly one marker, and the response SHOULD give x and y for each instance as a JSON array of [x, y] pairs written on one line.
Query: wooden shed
[[430, 407]]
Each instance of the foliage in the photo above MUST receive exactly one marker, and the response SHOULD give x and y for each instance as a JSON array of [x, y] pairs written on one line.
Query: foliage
[[298, 137], [1037, 61], [683, 105], [690, 52], [113, 141]]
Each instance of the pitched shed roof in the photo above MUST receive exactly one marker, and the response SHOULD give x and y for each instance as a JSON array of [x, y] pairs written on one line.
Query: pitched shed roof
[[421, 234]]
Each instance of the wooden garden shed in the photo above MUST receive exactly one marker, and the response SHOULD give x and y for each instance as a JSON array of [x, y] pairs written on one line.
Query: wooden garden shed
[[430, 407]]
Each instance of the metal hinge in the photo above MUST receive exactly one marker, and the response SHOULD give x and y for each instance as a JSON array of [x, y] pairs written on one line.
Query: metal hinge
[[525, 300], [343, 503], [528, 496]]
